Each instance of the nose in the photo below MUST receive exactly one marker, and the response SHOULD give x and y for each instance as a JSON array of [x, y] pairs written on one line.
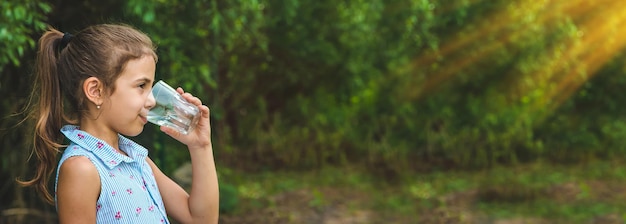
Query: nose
[[151, 102]]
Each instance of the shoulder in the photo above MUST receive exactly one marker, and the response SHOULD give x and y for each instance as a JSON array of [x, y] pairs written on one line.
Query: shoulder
[[155, 169], [78, 162], [78, 174], [74, 150], [78, 167], [78, 189]]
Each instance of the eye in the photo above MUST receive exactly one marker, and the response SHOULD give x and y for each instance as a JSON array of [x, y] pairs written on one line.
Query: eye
[[142, 85]]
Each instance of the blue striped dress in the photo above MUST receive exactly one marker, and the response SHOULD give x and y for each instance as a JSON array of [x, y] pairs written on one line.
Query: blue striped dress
[[129, 193]]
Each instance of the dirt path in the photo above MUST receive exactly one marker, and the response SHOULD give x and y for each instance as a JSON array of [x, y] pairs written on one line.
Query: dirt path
[[347, 206]]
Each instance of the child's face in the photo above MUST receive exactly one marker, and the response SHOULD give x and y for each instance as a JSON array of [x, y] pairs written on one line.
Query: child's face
[[127, 110]]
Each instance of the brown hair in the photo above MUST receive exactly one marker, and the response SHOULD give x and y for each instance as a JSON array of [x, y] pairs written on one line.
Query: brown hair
[[99, 51]]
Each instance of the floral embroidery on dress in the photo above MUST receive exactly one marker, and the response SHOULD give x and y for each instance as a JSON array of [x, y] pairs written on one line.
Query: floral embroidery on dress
[[99, 145], [98, 207], [118, 215], [129, 190], [137, 211], [80, 136], [113, 193]]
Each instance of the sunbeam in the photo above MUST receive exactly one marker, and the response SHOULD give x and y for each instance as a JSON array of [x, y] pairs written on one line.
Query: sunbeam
[[593, 39], [596, 43]]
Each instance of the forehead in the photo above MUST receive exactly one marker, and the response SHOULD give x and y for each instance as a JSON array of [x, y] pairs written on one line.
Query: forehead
[[140, 68]]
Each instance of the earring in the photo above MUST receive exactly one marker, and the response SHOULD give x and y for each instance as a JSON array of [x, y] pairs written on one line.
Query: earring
[[98, 107]]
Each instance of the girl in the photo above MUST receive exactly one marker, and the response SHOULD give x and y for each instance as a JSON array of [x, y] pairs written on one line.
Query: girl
[[105, 74]]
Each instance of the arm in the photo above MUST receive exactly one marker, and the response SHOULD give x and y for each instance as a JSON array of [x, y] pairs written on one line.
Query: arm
[[78, 189], [202, 203]]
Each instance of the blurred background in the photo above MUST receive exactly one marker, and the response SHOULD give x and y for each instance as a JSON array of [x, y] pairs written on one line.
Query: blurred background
[[379, 111]]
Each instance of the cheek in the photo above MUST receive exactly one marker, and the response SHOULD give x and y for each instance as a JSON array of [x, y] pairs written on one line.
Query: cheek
[[128, 103], [135, 104]]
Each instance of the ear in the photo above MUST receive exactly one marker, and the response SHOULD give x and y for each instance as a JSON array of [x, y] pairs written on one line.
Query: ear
[[92, 87]]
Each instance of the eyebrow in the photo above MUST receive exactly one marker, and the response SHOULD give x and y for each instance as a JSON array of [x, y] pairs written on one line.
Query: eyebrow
[[144, 80]]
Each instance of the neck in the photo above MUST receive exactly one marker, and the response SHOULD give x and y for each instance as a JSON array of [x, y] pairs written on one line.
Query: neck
[[102, 132]]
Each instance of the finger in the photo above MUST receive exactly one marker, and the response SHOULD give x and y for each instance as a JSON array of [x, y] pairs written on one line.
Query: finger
[[192, 99], [196, 101], [187, 96], [205, 111]]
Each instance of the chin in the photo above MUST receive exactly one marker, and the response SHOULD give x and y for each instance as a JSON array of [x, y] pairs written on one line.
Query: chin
[[133, 133]]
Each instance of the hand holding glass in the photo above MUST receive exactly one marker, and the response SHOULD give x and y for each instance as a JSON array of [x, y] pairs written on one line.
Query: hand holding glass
[[172, 110]]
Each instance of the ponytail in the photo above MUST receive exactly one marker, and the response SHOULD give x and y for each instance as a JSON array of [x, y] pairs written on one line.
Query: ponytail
[[48, 112]]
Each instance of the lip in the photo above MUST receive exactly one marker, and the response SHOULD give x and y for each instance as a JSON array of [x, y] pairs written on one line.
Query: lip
[[144, 119]]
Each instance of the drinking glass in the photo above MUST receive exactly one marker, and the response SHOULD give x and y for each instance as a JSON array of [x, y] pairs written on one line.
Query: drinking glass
[[172, 110]]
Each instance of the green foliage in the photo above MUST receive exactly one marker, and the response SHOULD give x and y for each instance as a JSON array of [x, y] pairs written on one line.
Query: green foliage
[[18, 22], [229, 199], [390, 84]]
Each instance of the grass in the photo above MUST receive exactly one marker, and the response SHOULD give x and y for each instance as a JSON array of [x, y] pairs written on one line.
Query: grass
[[543, 192]]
